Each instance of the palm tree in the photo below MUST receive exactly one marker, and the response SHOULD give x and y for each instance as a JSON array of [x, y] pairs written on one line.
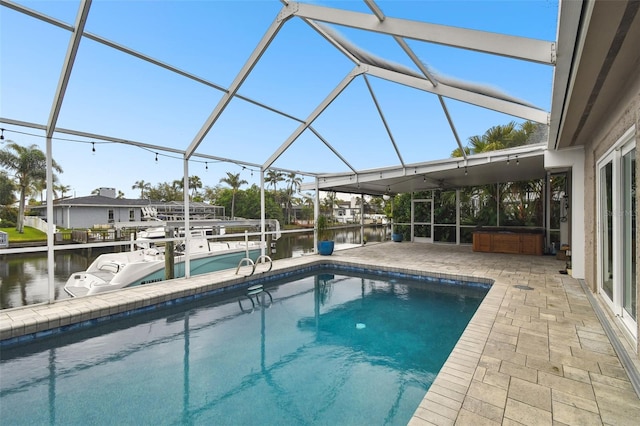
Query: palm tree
[[458, 152], [28, 164], [6, 190], [526, 131], [142, 186], [177, 184], [211, 194], [62, 189], [195, 183], [328, 203], [234, 181], [293, 185], [36, 188], [294, 182], [273, 177], [499, 137], [308, 204]]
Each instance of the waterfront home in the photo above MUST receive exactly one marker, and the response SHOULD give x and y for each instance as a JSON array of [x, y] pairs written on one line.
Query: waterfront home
[[105, 210]]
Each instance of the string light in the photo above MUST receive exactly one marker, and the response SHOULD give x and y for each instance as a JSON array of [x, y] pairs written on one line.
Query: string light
[[517, 161], [507, 159], [465, 170], [93, 148]]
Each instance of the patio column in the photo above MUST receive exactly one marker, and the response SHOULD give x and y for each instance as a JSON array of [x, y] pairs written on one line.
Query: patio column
[[574, 159]]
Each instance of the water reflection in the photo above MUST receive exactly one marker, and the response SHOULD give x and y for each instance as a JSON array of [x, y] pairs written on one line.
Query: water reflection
[[330, 335], [23, 277]]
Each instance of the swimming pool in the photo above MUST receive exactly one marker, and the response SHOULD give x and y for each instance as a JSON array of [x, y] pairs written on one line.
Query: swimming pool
[[329, 348]]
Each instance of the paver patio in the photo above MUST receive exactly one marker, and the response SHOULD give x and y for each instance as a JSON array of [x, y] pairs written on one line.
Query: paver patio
[[534, 353]]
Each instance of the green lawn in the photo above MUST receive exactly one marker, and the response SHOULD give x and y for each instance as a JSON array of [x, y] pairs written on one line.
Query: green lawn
[[30, 234]]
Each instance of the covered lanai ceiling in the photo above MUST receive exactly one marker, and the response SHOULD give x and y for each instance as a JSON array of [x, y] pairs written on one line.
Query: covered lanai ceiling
[[407, 165]]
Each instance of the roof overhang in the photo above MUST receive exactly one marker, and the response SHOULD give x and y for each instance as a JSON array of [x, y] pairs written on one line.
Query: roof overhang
[[508, 165], [598, 56]]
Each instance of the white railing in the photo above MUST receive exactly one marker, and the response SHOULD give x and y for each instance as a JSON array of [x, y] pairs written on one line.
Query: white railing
[[38, 223]]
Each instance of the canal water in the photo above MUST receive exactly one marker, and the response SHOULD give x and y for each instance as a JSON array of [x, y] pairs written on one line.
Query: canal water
[[23, 277]]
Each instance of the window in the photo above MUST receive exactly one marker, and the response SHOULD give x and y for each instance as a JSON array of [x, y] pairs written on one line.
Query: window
[[110, 216], [132, 215]]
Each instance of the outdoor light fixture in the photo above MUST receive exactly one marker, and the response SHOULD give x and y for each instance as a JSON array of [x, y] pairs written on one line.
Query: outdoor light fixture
[[156, 157], [465, 170], [517, 160], [1, 134], [206, 165], [93, 147], [507, 159]]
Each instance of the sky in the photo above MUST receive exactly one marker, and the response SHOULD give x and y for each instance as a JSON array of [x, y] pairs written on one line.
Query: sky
[[114, 94]]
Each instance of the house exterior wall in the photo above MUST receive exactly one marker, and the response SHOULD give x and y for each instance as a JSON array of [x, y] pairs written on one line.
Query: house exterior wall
[[623, 114], [89, 216]]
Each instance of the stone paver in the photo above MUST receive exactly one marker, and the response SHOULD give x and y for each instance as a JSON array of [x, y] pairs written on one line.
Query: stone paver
[[534, 352], [544, 357]]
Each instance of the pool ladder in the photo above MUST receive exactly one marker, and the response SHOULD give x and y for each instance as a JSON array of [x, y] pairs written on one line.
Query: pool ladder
[[263, 259]]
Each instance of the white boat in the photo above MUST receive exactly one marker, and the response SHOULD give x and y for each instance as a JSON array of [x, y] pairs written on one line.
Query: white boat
[[145, 265]]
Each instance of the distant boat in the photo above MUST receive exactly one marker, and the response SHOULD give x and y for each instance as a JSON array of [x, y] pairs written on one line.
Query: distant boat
[[145, 265]]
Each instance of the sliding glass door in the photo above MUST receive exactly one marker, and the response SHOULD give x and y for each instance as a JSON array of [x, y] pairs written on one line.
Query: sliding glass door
[[606, 228], [616, 186], [629, 236]]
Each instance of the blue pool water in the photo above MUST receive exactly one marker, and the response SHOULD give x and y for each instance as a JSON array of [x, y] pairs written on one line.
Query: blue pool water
[[330, 348]]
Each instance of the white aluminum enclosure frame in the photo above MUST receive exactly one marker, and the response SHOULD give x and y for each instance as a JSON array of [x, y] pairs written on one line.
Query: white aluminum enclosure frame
[[318, 17]]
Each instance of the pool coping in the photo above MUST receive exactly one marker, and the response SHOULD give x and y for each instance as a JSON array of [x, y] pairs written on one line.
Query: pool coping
[[29, 323], [444, 399]]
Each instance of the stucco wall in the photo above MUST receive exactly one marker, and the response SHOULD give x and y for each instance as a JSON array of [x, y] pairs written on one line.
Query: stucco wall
[[624, 114]]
